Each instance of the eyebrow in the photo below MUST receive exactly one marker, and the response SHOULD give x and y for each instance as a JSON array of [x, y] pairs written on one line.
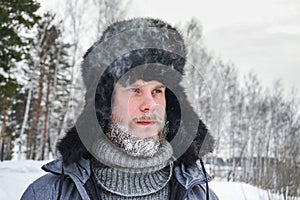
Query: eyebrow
[[160, 86], [141, 85]]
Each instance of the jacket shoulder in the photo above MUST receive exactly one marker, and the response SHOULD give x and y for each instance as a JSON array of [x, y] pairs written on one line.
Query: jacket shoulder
[[189, 182], [45, 187], [71, 178], [195, 191]]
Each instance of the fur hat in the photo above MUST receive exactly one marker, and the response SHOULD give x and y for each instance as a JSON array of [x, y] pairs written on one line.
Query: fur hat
[[136, 41]]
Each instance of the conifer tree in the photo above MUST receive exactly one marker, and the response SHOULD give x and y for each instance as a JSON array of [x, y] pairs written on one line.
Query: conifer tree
[[16, 18]]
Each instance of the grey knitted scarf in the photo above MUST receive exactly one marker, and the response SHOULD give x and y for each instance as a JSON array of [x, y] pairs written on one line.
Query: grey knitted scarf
[[122, 176]]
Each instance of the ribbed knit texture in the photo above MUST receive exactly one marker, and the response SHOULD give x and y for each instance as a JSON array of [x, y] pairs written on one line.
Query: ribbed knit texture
[[110, 155], [137, 182]]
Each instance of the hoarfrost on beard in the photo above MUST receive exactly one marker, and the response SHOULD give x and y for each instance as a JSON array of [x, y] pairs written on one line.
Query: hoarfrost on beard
[[133, 145]]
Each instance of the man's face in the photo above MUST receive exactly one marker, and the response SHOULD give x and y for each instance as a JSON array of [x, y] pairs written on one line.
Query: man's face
[[140, 107]]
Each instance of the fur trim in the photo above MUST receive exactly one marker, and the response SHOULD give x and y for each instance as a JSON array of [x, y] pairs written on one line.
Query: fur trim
[[71, 147], [126, 36]]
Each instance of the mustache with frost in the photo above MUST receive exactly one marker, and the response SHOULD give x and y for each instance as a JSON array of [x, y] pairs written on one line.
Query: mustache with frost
[[150, 117], [122, 137]]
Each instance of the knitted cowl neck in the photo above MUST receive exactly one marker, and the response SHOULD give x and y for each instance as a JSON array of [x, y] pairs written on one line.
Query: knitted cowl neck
[[128, 176]]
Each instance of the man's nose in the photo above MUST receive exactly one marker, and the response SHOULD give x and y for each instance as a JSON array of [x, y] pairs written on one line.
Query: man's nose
[[147, 103]]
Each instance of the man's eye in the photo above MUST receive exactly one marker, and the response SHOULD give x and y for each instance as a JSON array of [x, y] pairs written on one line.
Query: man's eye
[[157, 91], [136, 90]]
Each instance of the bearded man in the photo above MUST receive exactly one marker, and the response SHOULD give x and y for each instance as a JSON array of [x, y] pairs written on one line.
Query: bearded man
[[137, 137]]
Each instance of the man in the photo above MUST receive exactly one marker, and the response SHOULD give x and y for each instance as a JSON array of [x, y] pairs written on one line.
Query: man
[[137, 137]]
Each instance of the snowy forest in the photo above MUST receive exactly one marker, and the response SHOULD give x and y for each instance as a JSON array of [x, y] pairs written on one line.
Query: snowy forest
[[257, 129]]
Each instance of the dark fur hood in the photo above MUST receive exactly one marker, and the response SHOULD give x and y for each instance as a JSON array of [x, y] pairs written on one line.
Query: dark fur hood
[[154, 51]]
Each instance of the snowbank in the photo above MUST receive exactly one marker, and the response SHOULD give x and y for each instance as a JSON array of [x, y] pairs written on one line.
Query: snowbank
[[15, 176]]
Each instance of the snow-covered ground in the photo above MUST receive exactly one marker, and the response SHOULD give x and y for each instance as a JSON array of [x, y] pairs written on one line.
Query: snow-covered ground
[[15, 176], [240, 191]]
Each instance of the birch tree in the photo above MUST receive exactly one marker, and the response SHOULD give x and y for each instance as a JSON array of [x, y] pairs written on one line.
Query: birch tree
[[47, 58]]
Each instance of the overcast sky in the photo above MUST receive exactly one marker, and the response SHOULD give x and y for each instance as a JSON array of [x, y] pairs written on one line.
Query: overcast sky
[[262, 36]]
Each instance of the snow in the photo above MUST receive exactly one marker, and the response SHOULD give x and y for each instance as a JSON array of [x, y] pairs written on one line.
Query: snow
[[239, 190], [3, 73], [16, 175]]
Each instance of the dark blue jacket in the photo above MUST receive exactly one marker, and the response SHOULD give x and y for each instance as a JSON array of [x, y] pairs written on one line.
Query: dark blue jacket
[[186, 183]]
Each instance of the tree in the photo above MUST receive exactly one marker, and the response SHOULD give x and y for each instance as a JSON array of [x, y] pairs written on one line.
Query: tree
[[16, 17], [48, 61], [108, 11], [197, 68]]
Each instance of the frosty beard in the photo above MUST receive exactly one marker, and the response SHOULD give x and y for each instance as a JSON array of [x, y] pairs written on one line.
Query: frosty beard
[[135, 146]]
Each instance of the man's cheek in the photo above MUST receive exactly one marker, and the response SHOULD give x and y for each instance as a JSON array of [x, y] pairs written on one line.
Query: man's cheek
[[160, 110], [132, 111]]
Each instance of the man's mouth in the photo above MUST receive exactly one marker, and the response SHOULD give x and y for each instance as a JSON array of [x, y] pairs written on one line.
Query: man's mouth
[[145, 123]]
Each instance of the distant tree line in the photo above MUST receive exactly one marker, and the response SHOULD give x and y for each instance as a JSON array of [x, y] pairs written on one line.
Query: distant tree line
[[257, 129]]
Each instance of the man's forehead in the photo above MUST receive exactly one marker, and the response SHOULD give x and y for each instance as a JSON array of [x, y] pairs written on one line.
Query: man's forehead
[[140, 83]]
